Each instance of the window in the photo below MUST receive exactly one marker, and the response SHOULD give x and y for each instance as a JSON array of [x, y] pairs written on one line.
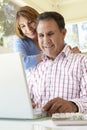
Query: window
[[7, 16], [77, 35]]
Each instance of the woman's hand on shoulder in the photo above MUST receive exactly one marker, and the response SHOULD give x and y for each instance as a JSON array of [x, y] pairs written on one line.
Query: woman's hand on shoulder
[[75, 49]]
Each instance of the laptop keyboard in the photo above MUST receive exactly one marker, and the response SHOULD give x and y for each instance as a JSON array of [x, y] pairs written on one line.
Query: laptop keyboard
[[39, 113]]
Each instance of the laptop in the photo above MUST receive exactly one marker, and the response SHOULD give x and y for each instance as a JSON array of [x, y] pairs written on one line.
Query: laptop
[[15, 102]]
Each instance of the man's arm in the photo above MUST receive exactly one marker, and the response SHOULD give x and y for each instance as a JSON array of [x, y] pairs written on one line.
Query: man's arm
[[78, 104]]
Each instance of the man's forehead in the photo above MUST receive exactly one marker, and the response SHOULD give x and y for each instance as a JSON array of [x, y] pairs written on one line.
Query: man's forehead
[[46, 25], [46, 20], [46, 28]]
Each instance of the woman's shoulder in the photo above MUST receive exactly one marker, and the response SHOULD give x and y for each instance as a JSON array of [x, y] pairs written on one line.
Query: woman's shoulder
[[17, 39], [18, 42], [25, 40]]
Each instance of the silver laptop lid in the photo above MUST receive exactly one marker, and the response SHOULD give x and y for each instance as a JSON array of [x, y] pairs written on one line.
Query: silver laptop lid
[[14, 95]]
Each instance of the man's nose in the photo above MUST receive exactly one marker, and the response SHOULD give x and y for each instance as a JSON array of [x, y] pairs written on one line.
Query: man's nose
[[46, 40]]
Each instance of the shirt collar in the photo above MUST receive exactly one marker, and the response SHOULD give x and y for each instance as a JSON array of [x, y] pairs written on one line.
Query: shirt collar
[[65, 53]]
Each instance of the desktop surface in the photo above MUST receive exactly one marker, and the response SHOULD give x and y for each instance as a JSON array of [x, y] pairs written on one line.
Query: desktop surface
[[35, 125]]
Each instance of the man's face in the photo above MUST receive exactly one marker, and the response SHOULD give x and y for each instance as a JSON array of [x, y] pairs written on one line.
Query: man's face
[[50, 37]]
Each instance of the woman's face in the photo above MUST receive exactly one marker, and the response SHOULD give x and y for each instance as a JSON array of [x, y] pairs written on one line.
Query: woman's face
[[28, 27]]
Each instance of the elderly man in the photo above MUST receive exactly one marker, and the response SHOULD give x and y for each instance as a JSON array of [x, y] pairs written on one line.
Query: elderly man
[[59, 82]]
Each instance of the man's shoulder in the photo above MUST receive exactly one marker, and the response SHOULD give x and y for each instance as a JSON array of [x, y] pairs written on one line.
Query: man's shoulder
[[78, 56]]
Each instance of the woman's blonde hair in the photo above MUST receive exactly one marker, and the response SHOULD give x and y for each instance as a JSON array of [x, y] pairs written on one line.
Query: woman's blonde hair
[[29, 13]]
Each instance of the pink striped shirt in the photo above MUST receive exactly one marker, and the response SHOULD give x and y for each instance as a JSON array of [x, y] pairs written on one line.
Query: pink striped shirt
[[65, 77]]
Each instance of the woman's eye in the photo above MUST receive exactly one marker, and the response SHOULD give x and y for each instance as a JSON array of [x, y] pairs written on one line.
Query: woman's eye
[[22, 26], [29, 22]]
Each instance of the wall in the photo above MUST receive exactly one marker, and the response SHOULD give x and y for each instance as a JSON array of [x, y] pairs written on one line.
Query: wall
[[72, 10], [75, 11]]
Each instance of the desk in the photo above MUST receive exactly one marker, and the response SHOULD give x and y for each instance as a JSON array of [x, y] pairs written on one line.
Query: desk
[[35, 125]]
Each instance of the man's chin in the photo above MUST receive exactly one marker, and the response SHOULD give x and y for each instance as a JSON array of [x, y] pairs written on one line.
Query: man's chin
[[49, 56]]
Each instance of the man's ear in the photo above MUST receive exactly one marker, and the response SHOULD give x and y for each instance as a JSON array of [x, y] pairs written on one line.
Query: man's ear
[[64, 31]]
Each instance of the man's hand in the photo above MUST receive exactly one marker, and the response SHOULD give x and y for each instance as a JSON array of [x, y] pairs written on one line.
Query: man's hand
[[33, 103], [59, 105]]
